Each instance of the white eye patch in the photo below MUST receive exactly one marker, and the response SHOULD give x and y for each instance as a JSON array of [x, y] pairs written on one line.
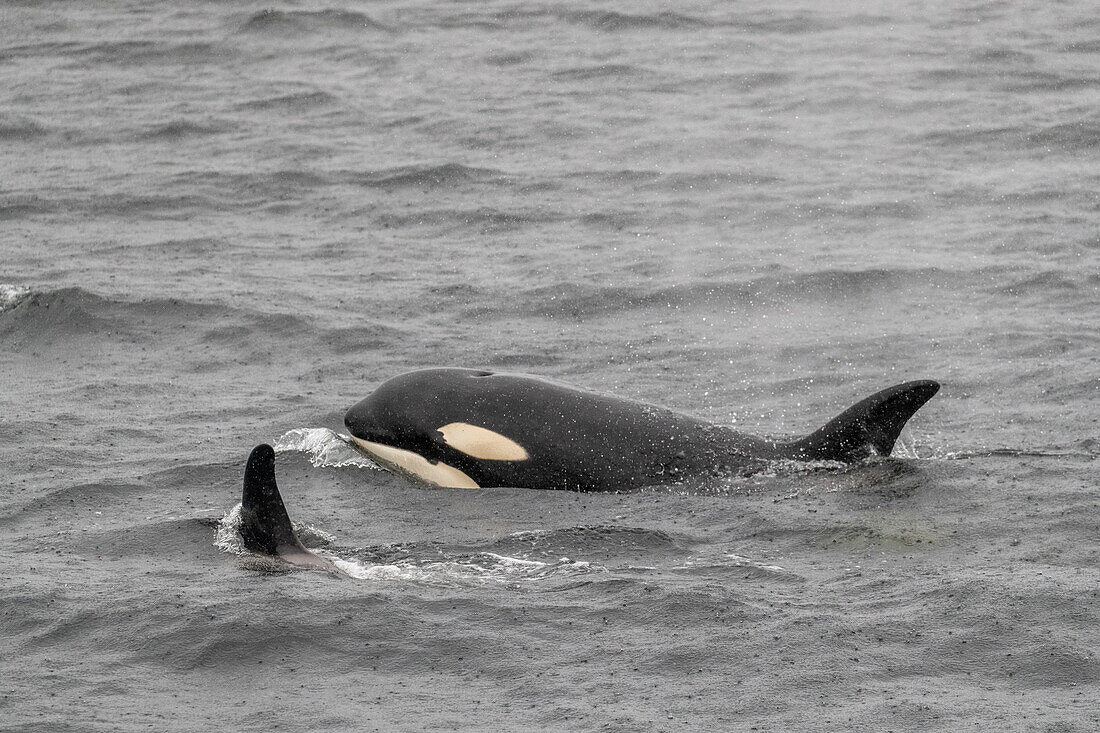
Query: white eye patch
[[482, 443]]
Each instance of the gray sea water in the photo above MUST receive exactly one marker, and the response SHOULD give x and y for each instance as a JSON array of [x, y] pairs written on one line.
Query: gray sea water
[[224, 223]]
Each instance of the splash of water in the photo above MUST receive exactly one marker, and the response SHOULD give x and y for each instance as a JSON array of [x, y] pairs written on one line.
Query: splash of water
[[12, 295], [227, 537], [479, 569], [326, 448]]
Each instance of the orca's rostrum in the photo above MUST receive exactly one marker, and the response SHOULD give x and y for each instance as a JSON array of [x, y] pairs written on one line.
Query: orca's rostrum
[[467, 428]]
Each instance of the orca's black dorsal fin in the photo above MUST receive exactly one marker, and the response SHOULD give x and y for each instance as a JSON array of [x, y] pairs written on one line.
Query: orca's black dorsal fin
[[874, 423], [265, 525]]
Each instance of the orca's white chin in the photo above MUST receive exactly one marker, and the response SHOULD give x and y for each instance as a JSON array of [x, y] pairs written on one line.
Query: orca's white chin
[[415, 466]]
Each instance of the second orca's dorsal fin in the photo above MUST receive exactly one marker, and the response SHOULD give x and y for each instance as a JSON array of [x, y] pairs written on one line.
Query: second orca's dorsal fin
[[265, 524], [873, 423]]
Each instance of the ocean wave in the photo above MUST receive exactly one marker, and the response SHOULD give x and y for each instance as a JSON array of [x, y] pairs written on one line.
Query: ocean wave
[[159, 534], [969, 135], [711, 180], [238, 329], [862, 536], [653, 604], [1001, 54], [18, 207], [443, 175], [1081, 389], [612, 220], [460, 569], [617, 177], [1082, 449], [1087, 47], [55, 316], [612, 21], [120, 204], [12, 295], [97, 496], [257, 186], [20, 128], [1043, 283], [745, 567], [1042, 82], [227, 534], [45, 316], [601, 71], [483, 219], [49, 48], [143, 53], [1079, 136], [515, 58], [184, 128], [465, 21], [357, 339], [305, 100], [590, 540], [585, 300], [298, 21], [525, 360], [177, 248], [1082, 135], [170, 207], [857, 210], [201, 191], [325, 448], [478, 569], [797, 23], [745, 81]]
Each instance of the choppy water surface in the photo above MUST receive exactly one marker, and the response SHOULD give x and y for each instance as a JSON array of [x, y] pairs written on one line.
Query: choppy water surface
[[224, 224]]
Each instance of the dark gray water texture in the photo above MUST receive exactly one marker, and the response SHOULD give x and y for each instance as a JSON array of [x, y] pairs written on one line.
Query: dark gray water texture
[[224, 223]]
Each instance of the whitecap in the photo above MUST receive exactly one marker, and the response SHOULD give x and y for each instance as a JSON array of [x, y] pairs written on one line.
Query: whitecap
[[326, 448], [484, 568], [227, 536], [479, 569], [12, 295]]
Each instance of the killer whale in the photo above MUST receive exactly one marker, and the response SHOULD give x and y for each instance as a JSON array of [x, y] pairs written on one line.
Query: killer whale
[[265, 525], [468, 428]]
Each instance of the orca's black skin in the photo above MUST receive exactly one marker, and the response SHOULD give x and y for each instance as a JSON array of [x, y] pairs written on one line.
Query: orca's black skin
[[585, 441], [265, 525]]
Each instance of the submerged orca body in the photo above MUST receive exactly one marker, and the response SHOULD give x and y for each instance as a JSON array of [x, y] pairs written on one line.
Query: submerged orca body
[[265, 525], [466, 428]]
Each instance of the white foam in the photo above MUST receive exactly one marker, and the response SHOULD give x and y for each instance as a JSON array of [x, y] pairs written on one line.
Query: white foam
[[515, 562], [480, 569], [791, 467], [530, 534], [11, 295], [227, 538], [730, 559], [326, 448], [905, 446], [313, 536], [748, 562]]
